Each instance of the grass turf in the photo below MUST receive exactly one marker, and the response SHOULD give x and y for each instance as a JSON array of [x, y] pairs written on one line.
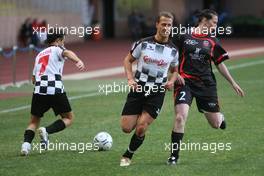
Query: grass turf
[[102, 113]]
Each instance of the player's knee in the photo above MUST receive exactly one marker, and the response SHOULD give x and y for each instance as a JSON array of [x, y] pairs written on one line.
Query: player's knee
[[126, 129], [216, 124], [71, 118], [68, 118], [179, 119], [126, 125], [141, 129]]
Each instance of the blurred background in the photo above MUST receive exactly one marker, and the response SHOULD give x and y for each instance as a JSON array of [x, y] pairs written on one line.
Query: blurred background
[[120, 21], [116, 17]]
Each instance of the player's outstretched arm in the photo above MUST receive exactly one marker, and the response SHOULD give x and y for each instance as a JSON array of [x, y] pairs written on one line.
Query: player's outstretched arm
[[72, 56], [33, 79], [224, 71], [175, 77], [128, 61]]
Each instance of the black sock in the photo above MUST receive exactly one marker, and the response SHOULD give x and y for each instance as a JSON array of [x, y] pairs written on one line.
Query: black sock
[[55, 127], [135, 143], [176, 138], [223, 125], [29, 135]]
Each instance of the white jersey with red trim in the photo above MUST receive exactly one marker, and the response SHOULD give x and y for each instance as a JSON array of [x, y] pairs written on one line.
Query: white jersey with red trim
[[48, 71]]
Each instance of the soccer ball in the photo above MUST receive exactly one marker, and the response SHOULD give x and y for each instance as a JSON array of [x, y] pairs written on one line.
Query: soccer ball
[[103, 140]]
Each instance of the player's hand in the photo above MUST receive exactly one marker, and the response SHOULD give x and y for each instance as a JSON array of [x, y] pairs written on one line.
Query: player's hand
[[80, 65], [179, 80], [238, 90], [169, 85], [132, 84], [33, 79]]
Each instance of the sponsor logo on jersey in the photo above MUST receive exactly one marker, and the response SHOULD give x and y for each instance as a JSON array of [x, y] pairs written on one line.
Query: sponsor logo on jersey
[[205, 43], [159, 62], [190, 42], [149, 47], [197, 55]]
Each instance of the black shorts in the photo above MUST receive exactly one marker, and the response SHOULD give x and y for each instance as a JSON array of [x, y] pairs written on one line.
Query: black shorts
[[42, 103], [138, 101], [207, 102]]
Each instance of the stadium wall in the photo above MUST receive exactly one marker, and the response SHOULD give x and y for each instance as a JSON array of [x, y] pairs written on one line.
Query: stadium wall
[[14, 12]]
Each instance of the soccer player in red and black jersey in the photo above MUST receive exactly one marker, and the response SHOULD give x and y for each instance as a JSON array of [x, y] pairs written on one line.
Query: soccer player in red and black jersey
[[198, 50]]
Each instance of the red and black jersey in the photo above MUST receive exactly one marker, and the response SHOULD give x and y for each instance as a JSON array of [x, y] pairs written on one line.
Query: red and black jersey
[[196, 53]]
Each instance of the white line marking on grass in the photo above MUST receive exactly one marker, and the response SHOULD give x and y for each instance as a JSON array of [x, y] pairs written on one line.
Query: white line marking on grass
[[246, 51], [95, 74], [70, 98], [15, 109], [84, 96], [120, 70], [234, 67], [117, 70]]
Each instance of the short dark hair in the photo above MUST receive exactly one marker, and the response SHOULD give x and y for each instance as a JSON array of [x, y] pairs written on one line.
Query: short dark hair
[[206, 13], [54, 34], [164, 14]]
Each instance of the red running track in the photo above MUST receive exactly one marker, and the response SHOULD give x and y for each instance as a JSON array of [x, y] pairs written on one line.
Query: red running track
[[98, 55]]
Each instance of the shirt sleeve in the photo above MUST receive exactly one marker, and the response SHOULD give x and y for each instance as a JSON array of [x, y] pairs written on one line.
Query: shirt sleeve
[[34, 70], [219, 54], [60, 50], [136, 50]]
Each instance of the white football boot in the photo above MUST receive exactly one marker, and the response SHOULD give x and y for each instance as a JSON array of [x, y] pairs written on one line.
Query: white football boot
[[44, 138], [125, 162], [25, 148]]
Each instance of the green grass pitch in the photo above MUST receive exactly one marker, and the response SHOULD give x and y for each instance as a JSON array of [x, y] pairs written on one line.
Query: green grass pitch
[[245, 118]]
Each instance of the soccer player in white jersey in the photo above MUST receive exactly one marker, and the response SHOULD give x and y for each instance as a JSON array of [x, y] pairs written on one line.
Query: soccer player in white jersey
[[155, 55], [49, 90]]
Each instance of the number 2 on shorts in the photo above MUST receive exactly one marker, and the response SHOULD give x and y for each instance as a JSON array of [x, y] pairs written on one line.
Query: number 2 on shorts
[[182, 98]]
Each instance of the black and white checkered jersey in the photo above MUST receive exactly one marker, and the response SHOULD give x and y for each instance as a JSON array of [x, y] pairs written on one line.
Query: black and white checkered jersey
[[48, 71], [154, 59]]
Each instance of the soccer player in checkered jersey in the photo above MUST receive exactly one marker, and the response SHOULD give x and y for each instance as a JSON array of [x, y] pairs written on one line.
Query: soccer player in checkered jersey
[[49, 90], [155, 56], [197, 52]]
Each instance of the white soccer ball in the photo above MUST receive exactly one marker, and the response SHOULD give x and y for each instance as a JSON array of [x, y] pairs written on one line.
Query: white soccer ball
[[103, 140]]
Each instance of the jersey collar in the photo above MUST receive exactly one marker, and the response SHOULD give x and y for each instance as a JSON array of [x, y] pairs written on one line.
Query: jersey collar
[[162, 43]]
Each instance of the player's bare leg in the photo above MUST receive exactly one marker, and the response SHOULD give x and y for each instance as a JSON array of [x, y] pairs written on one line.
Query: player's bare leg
[[29, 135], [60, 124], [181, 111], [57, 126], [67, 118], [142, 124], [215, 119], [34, 123], [128, 123], [137, 139]]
